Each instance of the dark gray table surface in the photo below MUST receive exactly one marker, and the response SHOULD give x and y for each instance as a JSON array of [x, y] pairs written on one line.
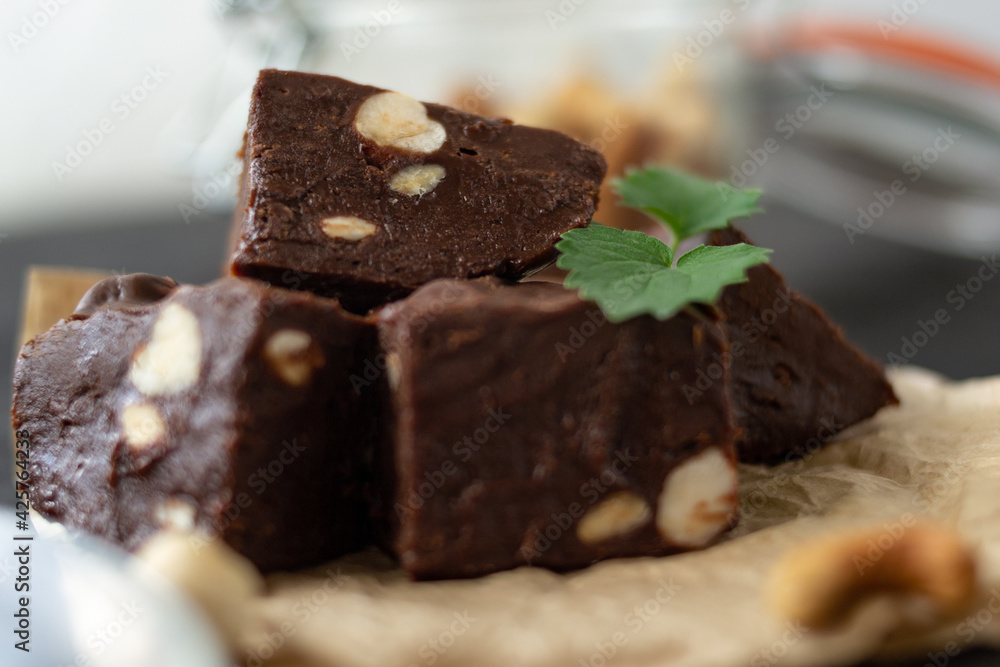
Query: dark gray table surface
[[877, 291]]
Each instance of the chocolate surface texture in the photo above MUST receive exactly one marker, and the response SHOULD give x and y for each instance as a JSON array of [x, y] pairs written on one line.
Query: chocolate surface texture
[[530, 430], [472, 425], [126, 291], [226, 408], [365, 194], [795, 381]]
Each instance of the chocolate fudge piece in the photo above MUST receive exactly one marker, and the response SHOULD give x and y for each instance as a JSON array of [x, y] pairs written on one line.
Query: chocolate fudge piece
[[528, 429], [124, 291], [227, 408], [366, 194], [795, 381]]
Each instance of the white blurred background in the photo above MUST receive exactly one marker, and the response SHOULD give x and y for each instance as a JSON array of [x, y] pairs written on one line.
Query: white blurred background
[[115, 109], [118, 108]]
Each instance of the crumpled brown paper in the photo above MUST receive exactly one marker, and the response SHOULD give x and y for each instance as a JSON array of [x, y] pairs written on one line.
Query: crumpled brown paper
[[50, 294], [936, 456]]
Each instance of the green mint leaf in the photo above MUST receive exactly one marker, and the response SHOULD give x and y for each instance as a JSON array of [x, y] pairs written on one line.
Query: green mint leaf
[[688, 205], [617, 250], [713, 268], [630, 274]]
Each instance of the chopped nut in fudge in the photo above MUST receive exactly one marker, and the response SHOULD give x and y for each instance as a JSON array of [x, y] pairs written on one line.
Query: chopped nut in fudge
[[366, 194], [226, 409], [529, 430]]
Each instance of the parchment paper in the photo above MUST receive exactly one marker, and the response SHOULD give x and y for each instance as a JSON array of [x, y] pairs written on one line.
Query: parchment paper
[[50, 294], [936, 456]]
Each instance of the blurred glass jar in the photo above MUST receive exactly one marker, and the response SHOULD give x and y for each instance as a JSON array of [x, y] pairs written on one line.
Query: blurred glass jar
[[894, 109], [641, 80]]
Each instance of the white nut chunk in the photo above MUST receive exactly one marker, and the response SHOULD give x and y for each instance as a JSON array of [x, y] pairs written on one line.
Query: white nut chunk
[[142, 425], [393, 370], [417, 180], [175, 514], [698, 499], [347, 228], [171, 361], [618, 514], [821, 583], [222, 582], [292, 355], [397, 120]]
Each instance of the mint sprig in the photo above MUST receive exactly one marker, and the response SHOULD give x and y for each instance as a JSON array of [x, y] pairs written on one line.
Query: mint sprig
[[630, 274], [686, 204]]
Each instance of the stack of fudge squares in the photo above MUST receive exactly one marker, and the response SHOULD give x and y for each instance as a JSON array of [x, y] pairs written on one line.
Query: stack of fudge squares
[[373, 373]]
